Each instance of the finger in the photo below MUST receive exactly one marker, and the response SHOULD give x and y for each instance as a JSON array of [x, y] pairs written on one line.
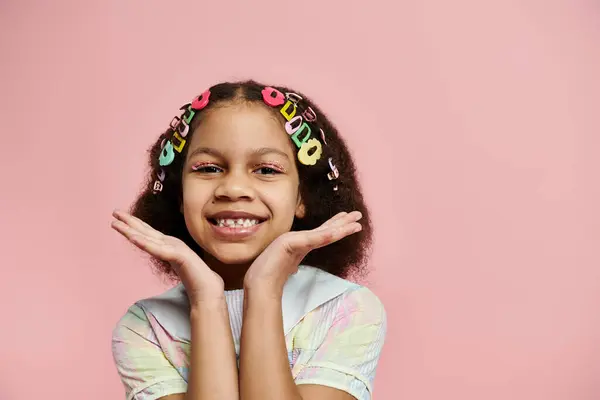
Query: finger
[[130, 232], [150, 245], [310, 240], [334, 218], [159, 250], [137, 224], [335, 234], [341, 219]]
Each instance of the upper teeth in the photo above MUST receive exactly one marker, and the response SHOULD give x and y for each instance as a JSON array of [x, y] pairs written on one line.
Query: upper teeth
[[237, 222]]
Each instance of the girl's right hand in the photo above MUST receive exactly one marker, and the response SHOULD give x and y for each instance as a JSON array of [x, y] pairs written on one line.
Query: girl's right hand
[[200, 282]]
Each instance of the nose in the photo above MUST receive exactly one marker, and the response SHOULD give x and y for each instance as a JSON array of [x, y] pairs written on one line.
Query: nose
[[234, 186]]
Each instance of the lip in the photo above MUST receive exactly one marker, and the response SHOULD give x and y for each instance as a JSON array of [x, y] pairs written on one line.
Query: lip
[[234, 234]]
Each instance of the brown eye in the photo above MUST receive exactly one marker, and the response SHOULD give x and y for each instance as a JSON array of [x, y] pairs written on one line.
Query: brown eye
[[267, 171], [206, 169]]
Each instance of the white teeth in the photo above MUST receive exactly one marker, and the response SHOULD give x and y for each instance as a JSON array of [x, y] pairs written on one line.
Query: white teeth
[[236, 223]]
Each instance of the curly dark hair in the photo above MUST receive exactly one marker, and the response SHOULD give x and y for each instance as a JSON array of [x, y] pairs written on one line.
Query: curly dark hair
[[346, 258]]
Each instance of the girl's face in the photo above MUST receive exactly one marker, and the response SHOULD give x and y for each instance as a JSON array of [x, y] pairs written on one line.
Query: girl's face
[[240, 183]]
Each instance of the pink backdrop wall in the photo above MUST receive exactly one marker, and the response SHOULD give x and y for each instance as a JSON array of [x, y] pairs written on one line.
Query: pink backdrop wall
[[475, 126]]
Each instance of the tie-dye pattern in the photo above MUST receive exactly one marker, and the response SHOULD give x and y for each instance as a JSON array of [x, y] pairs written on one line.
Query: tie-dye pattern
[[337, 345]]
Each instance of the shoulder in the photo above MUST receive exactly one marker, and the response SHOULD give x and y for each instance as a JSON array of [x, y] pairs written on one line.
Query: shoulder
[[362, 299], [132, 317], [134, 322], [149, 364], [358, 304], [352, 298], [339, 343], [139, 317], [353, 308]]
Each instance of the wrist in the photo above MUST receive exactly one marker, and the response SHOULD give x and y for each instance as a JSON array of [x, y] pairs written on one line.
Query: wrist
[[207, 304], [263, 290]]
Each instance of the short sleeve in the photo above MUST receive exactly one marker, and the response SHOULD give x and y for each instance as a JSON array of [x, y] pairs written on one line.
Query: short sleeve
[[348, 356], [141, 364]]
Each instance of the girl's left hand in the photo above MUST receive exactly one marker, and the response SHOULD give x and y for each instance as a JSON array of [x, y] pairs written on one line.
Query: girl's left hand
[[281, 258]]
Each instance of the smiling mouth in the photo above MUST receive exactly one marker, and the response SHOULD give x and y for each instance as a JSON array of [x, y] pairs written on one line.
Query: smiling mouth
[[235, 222]]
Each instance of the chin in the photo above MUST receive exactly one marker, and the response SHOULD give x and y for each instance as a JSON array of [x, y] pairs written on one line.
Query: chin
[[235, 253]]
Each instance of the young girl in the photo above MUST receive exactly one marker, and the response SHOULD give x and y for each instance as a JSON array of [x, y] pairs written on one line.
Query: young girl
[[253, 204]]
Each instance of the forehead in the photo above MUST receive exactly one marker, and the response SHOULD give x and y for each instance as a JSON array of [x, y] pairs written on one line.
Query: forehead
[[241, 128]]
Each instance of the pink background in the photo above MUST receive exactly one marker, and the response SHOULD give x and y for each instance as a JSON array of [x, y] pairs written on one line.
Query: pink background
[[475, 126]]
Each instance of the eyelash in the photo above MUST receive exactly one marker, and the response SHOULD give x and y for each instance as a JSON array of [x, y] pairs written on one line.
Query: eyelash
[[202, 167], [273, 169]]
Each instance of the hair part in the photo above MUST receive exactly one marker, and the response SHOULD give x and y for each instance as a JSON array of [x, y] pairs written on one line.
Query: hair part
[[346, 258]]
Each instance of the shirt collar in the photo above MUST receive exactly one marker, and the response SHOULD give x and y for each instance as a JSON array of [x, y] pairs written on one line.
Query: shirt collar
[[303, 292]]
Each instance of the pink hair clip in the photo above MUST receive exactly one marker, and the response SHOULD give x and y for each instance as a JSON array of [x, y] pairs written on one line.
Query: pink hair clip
[[273, 97], [183, 128], [201, 101], [323, 136], [174, 123], [289, 126], [309, 115]]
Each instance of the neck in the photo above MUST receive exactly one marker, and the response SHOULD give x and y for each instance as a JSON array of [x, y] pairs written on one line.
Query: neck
[[232, 274]]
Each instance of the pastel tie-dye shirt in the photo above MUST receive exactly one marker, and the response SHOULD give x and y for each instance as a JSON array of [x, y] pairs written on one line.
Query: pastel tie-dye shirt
[[336, 344]]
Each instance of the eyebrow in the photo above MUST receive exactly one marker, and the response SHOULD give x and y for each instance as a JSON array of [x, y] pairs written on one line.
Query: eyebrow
[[260, 152], [267, 150]]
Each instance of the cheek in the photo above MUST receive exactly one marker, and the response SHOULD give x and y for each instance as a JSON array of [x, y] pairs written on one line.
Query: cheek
[[282, 199], [195, 196]]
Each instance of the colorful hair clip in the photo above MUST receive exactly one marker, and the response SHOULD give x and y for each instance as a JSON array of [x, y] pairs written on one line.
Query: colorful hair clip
[[273, 97], [180, 140], [180, 126], [174, 123], [158, 187], [310, 152], [334, 174], [289, 126], [183, 128], [285, 110], [309, 115], [294, 98], [323, 136], [302, 128], [201, 101], [188, 114], [167, 155]]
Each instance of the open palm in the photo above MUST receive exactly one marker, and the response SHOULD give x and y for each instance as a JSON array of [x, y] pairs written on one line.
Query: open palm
[[282, 257], [199, 280]]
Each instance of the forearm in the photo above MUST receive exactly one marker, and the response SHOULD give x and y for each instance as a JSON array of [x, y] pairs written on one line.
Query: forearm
[[213, 370], [264, 366]]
